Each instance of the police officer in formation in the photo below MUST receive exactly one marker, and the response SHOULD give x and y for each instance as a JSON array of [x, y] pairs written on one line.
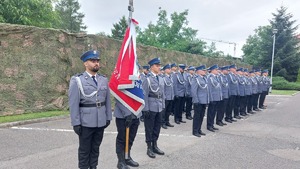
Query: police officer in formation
[[200, 98], [169, 97], [215, 97], [188, 96], [233, 93], [242, 93], [265, 89], [225, 95], [179, 91], [90, 109], [248, 92], [154, 96], [125, 118]]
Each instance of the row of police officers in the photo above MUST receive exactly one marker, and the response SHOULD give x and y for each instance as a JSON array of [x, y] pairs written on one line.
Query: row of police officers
[[226, 92]]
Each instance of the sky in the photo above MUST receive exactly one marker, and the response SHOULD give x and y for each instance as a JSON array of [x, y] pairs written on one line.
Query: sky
[[221, 20]]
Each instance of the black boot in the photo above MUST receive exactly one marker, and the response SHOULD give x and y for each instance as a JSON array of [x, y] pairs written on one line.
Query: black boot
[[130, 161], [156, 149], [121, 162], [150, 152]]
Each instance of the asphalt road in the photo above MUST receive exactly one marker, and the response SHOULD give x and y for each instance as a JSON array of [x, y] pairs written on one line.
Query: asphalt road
[[268, 139]]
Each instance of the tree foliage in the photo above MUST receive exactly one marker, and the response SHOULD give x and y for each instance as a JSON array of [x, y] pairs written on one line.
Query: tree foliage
[[29, 12], [68, 11], [258, 48], [118, 30]]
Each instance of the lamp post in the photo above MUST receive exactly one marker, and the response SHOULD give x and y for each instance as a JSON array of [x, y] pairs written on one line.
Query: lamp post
[[274, 36]]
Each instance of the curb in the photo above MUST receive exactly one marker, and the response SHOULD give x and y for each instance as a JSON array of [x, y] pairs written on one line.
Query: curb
[[18, 123]]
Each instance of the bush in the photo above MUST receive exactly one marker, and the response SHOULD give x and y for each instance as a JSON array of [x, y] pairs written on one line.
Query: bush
[[280, 83]]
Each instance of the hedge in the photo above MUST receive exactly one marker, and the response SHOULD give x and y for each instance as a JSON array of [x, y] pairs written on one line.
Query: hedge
[[280, 83]]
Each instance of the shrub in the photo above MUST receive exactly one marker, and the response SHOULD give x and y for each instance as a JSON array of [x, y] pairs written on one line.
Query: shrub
[[280, 83]]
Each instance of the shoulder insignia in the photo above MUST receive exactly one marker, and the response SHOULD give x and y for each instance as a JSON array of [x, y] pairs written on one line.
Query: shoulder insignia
[[78, 74]]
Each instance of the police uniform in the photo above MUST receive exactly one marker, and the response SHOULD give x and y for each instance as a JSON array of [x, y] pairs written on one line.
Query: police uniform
[[259, 90], [248, 92], [142, 77], [125, 118], [172, 77], [215, 96], [200, 98], [233, 94], [179, 91], [254, 90], [225, 96], [242, 95], [169, 98], [90, 111], [265, 89], [154, 97], [188, 97]]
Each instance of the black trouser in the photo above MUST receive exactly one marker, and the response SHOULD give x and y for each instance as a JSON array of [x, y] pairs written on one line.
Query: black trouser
[[262, 99], [236, 106], [255, 101], [211, 113], [121, 137], [243, 102], [248, 103], [179, 103], [167, 112], [230, 107], [199, 112], [89, 143], [152, 126], [189, 105], [221, 110]]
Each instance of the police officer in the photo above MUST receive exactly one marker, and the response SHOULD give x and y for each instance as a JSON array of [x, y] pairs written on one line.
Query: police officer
[[215, 96], [173, 71], [188, 97], [254, 90], [233, 93], [265, 89], [242, 94], [153, 87], [248, 91], [225, 95], [179, 91], [125, 118], [90, 109], [259, 89], [200, 98]]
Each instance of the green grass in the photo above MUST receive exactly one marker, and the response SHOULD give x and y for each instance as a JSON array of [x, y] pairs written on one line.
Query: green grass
[[28, 116], [283, 92]]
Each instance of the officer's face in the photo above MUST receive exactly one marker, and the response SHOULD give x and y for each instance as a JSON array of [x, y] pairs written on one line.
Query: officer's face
[[215, 71], [168, 71], [233, 70], [191, 71], [92, 65], [174, 69], [225, 72], [155, 68]]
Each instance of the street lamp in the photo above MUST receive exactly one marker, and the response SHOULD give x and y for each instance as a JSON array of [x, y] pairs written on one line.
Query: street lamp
[[274, 36]]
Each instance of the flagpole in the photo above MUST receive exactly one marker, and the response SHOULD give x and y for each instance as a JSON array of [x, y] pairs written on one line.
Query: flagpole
[[130, 9]]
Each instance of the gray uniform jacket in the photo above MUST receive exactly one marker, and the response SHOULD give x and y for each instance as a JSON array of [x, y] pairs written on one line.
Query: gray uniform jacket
[[248, 86], [259, 84], [199, 90], [233, 84], [224, 85], [266, 83], [168, 89], [142, 76], [89, 116], [241, 85], [154, 93], [254, 84], [189, 78], [121, 111], [214, 87], [179, 84]]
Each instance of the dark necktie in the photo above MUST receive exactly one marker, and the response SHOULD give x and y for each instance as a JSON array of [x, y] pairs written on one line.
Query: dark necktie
[[157, 78], [95, 80]]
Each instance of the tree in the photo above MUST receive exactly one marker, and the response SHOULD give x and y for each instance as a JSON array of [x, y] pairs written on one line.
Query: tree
[[258, 48], [68, 11], [118, 30], [171, 34], [29, 12]]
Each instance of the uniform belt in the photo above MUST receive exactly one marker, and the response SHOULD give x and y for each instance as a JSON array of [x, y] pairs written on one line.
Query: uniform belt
[[155, 96], [97, 104]]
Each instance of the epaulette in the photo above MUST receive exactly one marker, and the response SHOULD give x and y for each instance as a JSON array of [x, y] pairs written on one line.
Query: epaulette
[[78, 74], [101, 75]]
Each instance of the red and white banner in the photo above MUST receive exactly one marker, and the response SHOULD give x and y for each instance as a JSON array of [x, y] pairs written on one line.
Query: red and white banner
[[125, 84]]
